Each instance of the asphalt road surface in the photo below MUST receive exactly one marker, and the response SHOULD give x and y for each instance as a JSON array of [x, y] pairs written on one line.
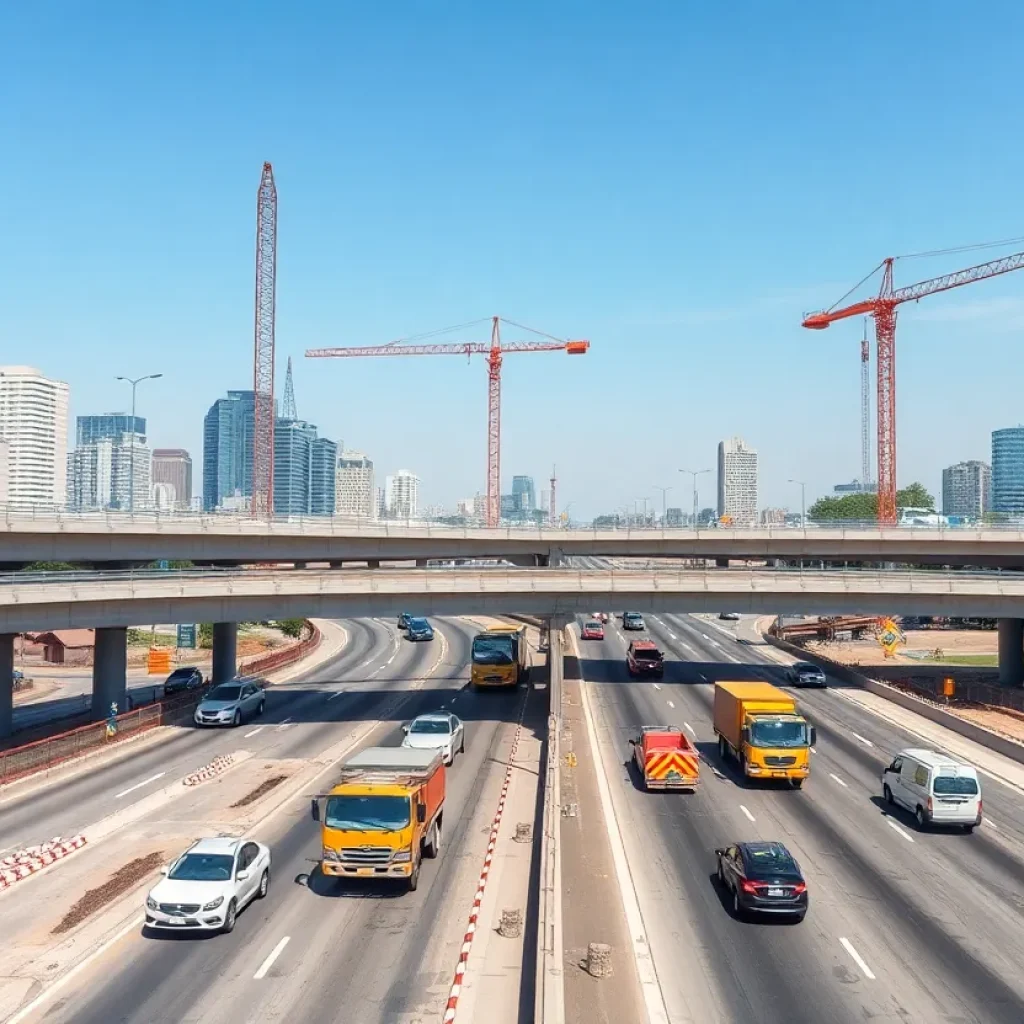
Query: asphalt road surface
[[904, 925]]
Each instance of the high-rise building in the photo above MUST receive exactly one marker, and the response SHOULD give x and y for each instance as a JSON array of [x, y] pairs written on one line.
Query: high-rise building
[[380, 503], [173, 466], [354, 491], [673, 517], [227, 450], [1008, 470], [293, 447], [465, 508], [34, 423], [522, 487], [967, 489], [5, 450], [323, 468], [737, 482], [110, 473], [402, 495], [110, 425], [773, 517]]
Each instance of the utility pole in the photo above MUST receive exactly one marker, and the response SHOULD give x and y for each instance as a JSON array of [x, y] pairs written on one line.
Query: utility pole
[[664, 493], [695, 473], [135, 382], [803, 502]]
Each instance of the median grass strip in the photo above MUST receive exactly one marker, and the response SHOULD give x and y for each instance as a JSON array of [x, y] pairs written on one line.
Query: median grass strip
[[125, 878], [264, 787]]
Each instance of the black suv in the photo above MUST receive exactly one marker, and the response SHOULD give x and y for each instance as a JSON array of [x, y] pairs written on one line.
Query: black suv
[[182, 679]]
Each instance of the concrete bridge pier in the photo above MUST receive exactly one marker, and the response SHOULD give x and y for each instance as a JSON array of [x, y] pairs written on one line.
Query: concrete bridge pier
[[110, 672], [1011, 652], [225, 651], [6, 684], [556, 661]]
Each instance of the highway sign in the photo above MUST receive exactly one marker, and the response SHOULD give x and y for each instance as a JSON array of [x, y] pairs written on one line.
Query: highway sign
[[186, 634]]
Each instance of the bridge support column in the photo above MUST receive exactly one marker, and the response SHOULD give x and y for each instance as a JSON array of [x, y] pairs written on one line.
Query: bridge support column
[[225, 651], [373, 563], [110, 672], [556, 661], [6, 684], [1011, 652], [421, 563]]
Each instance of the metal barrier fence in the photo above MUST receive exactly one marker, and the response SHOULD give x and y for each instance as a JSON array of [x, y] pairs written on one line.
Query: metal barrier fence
[[966, 691]]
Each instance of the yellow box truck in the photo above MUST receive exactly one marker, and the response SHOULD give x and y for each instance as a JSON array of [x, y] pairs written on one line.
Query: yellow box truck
[[761, 726], [500, 657], [383, 816]]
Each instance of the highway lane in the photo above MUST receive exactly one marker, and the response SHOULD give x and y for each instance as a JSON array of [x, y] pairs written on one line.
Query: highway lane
[[353, 953], [935, 918], [299, 720]]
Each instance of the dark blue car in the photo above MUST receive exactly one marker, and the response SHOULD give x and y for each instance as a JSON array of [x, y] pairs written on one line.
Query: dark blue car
[[419, 629]]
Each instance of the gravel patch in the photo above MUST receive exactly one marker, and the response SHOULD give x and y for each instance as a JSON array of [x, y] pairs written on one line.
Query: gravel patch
[[264, 787], [125, 878]]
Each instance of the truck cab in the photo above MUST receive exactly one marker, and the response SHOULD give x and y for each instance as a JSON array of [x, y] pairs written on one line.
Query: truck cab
[[644, 659], [383, 816]]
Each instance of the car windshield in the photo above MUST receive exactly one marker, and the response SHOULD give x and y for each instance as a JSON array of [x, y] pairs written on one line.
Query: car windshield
[[225, 691], [808, 668], [646, 655], [367, 813], [779, 733], [955, 785], [493, 650], [419, 624], [593, 625], [769, 860], [632, 617], [203, 867], [180, 673], [430, 726]]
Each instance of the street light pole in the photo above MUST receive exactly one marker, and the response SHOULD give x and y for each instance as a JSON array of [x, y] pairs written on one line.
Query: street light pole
[[664, 493], [803, 502], [135, 382], [695, 473]]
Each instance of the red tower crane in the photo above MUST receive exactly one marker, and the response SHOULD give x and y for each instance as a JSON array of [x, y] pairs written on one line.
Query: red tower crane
[[883, 309], [263, 346], [494, 352]]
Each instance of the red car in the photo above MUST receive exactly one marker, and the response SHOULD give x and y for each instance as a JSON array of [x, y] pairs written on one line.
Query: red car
[[592, 630]]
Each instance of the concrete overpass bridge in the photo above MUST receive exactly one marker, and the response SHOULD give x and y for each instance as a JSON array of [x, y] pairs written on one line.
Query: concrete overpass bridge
[[112, 539], [111, 602]]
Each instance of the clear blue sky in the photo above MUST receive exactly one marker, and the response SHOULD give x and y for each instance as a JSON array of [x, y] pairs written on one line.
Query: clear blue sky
[[677, 182]]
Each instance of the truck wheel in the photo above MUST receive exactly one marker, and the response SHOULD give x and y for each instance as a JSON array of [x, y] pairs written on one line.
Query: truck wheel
[[433, 846], [414, 878], [723, 750], [887, 794], [796, 783]]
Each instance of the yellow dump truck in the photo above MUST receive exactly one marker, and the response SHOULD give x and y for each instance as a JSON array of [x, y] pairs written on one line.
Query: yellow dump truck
[[383, 816], [500, 657], [761, 726]]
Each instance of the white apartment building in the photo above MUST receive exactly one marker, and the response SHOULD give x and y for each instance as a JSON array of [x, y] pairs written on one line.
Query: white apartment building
[[100, 474], [402, 495], [354, 493], [737, 482], [5, 451], [34, 423]]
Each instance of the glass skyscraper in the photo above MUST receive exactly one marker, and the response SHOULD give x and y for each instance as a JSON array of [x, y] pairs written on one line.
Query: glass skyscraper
[[293, 445], [1008, 470], [522, 488], [227, 449], [112, 425], [323, 462]]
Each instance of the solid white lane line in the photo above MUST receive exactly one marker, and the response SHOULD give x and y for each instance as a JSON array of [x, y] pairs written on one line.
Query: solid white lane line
[[839, 780], [48, 993], [746, 812], [866, 742], [896, 828], [814, 750], [690, 728], [656, 686], [986, 821], [674, 637], [670, 704], [335, 695], [857, 958], [139, 785], [269, 962], [252, 732]]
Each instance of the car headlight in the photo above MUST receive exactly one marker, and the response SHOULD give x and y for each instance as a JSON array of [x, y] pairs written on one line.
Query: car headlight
[[401, 856], [213, 904], [151, 903], [330, 854]]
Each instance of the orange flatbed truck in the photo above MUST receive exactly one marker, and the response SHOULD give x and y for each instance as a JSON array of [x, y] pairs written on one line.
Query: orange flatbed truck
[[665, 758], [383, 816]]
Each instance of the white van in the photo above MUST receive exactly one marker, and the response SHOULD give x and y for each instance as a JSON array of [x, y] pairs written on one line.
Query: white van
[[936, 789]]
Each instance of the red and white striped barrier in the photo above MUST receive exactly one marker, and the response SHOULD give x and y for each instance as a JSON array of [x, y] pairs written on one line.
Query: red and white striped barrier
[[16, 866], [211, 770], [467, 940]]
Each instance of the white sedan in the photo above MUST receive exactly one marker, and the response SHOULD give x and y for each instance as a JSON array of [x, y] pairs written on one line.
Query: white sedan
[[207, 887], [439, 731]]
